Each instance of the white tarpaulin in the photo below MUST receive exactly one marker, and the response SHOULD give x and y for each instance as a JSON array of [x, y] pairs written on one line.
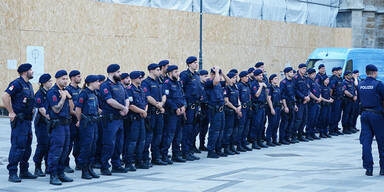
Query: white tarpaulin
[[274, 10], [246, 8], [219, 7], [296, 11], [318, 13], [130, 2], [184, 5]]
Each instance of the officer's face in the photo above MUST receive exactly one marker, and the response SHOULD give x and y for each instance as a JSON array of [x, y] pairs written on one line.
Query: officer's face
[[116, 76], [322, 70], [326, 81], [303, 70], [259, 77], [156, 72], [30, 74], [290, 74], [164, 69], [275, 80], [244, 79], [340, 72], [312, 76], [175, 74], [233, 79], [94, 85], [48, 84], [62, 81], [77, 79], [194, 65], [203, 78]]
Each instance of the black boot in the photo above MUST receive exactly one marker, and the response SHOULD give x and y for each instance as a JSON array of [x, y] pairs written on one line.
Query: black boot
[[255, 146], [167, 160], [38, 171], [261, 144], [233, 149], [241, 148], [276, 143], [158, 162], [27, 175], [141, 165], [54, 180], [85, 174], [119, 170], [195, 149], [63, 178], [269, 143], [68, 169], [130, 167], [213, 155], [369, 172], [284, 142], [202, 148], [178, 159], [220, 153], [92, 172], [247, 148], [105, 171], [314, 136], [14, 178], [227, 151]]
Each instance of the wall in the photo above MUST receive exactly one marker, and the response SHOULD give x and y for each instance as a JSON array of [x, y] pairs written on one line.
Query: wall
[[88, 35]]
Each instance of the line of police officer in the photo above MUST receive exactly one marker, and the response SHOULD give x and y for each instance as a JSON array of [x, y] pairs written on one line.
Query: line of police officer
[[124, 119]]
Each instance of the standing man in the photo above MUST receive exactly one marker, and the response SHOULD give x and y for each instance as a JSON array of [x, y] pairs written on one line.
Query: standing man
[[314, 105], [190, 80], [42, 125], [203, 123], [99, 142], [350, 97], [287, 132], [74, 89], [337, 93], [115, 105], [19, 101], [163, 65], [274, 104], [156, 100], [244, 122], [302, 99], [356, 104], [321, 75], [371, 92], [325, 113], [175, 115], [60, 104]]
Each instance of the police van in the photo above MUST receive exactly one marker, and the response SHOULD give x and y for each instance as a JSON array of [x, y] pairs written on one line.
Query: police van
[[349, 59]]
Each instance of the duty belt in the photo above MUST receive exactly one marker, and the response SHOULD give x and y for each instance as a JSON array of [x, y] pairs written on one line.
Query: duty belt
[[193, 105], [217, 108], [372, 110], [245, 105], [154, 111]]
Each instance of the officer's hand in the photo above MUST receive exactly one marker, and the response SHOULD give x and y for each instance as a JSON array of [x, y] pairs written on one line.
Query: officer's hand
[[331, 100], [12, 116], [296, 108], [162, 110], [354, 98], [240, 114], [67, 93], [178, 111], [49, 118], [62, 94], [286, 109], [273, 112], [100, 111], [144, 114], [78, 124]]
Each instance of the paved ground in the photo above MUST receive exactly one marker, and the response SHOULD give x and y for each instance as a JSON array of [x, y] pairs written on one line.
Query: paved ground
[[325, 165]]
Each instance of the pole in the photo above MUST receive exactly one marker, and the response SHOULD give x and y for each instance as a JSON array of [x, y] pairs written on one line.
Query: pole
[[201, 36]]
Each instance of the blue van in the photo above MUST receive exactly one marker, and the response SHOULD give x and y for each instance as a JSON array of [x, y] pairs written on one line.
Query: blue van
[[349, 59]]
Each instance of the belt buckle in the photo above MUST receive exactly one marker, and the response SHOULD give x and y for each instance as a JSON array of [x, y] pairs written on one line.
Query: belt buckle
[[221, 108], [244, 106], [193, 106], [157, 111]]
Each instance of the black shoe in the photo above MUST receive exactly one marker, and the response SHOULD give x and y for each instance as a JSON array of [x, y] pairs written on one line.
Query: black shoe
[[63, 178], [54, 180], [167, 160], [303, 139], [241, 148], [39, 172], [339, 133], [292, 141], [247, 148], [188, 157], [213, 155], [203, 148], [227, 151], [381, 171], [276, 143], [27, 175], [261, 144], [327, 135], [284, 142], [353, 130], [97, 165], [119, 170], [93, 173], [178, 159], [195, 157], [333, 133], [159, 162], [85, 174], [270, 144], [255, 146], [130, 167], [323, 136], [309, 138], [347, 132], [221, 154], [105, 171], [369, 172], [68, 169], [142, 165], [233, 149], [14, 178], [314, 136]]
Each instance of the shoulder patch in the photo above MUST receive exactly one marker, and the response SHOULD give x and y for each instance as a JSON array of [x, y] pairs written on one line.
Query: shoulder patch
[[166, 81], [105, 90], [145, 89], [38, 100], [284, 81], [254, 88], [81, 100], [54, 98], [129, 87], [11, 87]]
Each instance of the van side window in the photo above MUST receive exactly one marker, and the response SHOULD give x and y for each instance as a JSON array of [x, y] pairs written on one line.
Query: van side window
[[349, 66]]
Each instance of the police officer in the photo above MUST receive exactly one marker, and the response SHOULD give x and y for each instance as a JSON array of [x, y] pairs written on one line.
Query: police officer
[[99, 143], [203, 123], [41, 124], [156, 100], [325, 112], [87, 114], [138, 112], [260, 65], [114, 107], [321, 75], [302, 99], [74, 89], [337, 92], [215, 92], [371, 92], [244, 121], [349, 99], [314, 104], [59, 101], [190, 80], [259, 101], [163, 68], [232, 111], [175, 114], [274, 106], [19, 101], [126, 82], [356, 105], [287, 131]]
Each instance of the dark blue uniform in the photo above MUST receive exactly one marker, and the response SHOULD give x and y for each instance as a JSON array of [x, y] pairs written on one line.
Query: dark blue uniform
[[231, 117], [99, 142], [313, 108], [74, 137], [173, 122], [371, 92], [325, 112], [336, 84], [244, 123], [320, 78], [258, 117], [216, 115], [348, 106], [287, 129], [41, 128], [59, 137], [203, 123], [89, 105], [22, 99], [274, 120], [192, 90], [136, 135], [302, 91], [155, 117], [356, 110], [113, 128]]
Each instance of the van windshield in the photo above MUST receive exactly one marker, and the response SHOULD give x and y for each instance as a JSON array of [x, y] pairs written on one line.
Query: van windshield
[[360, 60], [328, 63]]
